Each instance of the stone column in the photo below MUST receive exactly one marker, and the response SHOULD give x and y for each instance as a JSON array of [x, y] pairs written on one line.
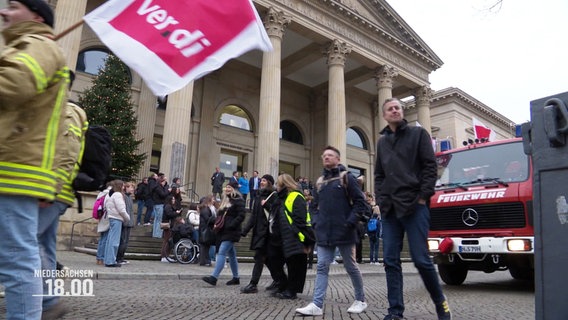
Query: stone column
[[146, 115], [267, 155], [67, 13], [384, 76], [177, 125], [423, 96], [336, 53]]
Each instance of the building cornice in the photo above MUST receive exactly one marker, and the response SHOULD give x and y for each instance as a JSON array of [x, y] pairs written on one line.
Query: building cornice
[[424, 53], [368, 38], [477, 107]]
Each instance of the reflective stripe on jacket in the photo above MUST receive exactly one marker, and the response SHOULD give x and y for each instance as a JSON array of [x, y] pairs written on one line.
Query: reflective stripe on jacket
[[33, 91], [70, 147]]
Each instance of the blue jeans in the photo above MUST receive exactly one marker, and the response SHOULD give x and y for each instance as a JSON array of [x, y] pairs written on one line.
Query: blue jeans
[[149, 211], [226, 248], [158, 212], [140, 204], [416, 226], [374, 247], [113, 241], [326, 255], [195, 235], [19, 253], [102, 246], [47, 240], [212, 251]]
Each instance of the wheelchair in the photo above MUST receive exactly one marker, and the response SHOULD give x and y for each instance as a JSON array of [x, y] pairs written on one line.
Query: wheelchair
[[182, 248]]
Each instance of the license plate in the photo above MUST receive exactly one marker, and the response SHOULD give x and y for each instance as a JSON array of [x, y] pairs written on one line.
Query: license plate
[[470, 248]]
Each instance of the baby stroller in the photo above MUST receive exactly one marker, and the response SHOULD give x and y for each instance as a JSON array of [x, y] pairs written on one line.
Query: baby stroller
[[184, 250]]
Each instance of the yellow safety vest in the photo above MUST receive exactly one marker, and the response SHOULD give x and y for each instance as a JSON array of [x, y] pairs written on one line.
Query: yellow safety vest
[[288, 206]]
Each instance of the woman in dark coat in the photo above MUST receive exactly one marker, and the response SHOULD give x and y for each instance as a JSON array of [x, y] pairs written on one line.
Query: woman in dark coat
[[258, 222], [286, 245], [206, 235], [233, 209], [171, 212]]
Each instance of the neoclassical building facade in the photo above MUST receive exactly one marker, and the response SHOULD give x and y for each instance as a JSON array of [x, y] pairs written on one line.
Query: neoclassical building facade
[[334, 63]]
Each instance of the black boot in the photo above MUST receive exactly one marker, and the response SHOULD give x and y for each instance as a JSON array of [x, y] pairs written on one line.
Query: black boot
[[273, 286], [250, 288], [211, 280]]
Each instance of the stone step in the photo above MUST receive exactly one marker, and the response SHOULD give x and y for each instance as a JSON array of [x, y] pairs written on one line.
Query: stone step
[[142, 245], [127, 255]]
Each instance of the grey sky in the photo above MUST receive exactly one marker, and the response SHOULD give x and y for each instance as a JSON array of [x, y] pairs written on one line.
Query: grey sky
[[505, 58]]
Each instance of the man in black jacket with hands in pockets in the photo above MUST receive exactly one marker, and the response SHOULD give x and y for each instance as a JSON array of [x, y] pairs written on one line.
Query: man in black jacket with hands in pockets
[[405, 175]]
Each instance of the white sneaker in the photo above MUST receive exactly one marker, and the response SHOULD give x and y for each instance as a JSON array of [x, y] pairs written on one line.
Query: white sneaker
[[164, 260], [357, 307], [310, 310]]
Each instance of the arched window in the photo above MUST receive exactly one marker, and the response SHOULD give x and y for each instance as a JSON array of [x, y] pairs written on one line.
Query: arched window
[[289, 132], [92, 60], [234, 116], [355, 139]]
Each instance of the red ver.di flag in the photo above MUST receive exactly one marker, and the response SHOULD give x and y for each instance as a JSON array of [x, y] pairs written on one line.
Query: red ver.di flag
[[171, 43]]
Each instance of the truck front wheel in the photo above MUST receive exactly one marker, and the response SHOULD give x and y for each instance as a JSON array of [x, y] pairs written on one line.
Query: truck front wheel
[[452, 274]]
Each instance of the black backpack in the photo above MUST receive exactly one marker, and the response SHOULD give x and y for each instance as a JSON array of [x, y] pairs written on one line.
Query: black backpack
[[96, 162]]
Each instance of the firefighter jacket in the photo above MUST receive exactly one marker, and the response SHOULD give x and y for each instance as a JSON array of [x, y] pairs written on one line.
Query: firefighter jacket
[[70, 147], [33, 88]]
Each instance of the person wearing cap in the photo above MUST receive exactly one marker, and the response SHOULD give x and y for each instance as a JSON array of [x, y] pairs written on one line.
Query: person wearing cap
[[232, 211], [258, 223], [33, 91]]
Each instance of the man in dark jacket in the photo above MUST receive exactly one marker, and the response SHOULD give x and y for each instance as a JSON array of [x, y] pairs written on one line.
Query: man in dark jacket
[[334, 211], [258, 222], [254, 186], [217, 180], [159, 193], [405, 175], [140, 196], [148, 202]]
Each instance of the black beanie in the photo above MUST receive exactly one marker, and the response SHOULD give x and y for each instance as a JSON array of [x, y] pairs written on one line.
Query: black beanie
[[41, 8], [268, 178]]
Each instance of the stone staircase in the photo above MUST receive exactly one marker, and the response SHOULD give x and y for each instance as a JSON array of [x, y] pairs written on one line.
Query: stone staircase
[[141, 246]]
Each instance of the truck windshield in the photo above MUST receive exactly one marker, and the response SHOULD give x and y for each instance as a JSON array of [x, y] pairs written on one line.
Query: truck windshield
[[503, 162]]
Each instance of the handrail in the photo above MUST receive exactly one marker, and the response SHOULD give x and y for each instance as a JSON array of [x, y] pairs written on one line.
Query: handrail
[[73, 231], [193, 195]]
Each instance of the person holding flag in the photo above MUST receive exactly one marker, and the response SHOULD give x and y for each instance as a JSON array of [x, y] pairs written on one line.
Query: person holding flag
[[33, 86]]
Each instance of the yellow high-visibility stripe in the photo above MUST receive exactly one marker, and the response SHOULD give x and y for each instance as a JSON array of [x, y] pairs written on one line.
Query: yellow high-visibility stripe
[[28, 188], [15, 170], [75, 130], [53, 126], [33, 65], [288, 206]]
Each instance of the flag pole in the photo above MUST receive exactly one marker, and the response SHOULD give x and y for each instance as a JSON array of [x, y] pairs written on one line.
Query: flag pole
[[69, 29]]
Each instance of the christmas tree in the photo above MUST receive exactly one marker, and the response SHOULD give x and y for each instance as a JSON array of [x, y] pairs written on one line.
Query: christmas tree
[[108, 104]]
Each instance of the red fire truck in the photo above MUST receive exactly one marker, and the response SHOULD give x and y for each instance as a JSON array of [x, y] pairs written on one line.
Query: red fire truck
[[481, 214]]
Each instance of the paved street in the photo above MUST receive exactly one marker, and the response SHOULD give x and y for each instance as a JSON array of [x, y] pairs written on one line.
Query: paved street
[[154, 290]]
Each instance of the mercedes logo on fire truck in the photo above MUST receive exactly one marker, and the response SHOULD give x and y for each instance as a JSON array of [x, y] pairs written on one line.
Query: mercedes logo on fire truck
[[470, 217]]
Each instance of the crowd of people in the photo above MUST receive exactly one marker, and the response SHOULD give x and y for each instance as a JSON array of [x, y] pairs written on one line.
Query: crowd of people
[[289, 218]]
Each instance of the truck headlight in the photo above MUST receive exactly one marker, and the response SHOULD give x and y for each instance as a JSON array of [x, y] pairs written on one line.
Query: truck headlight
[[433, 245], [519, 245]]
